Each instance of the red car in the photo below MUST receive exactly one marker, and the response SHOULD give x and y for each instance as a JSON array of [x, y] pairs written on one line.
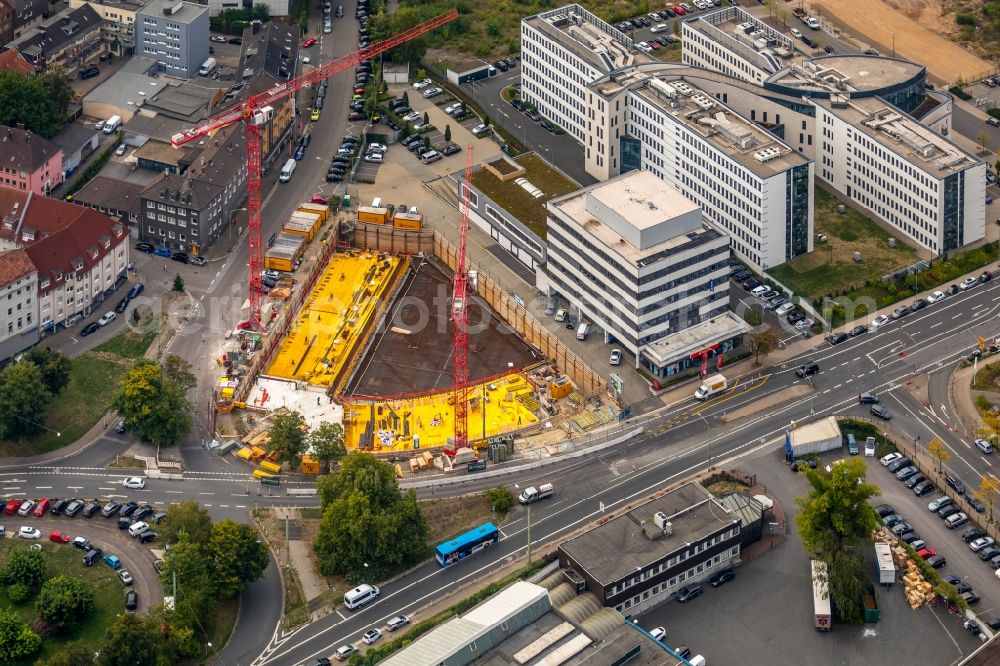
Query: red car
[[927, 553], [59, 537], [309, 42], [43, 506], [318, 199], [12, 506], [678, 10]]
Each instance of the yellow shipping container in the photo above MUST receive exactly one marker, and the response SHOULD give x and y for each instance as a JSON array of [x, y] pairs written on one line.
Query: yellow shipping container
[[310, 465], [373, 215], [243, 453], [278, 263], [318, 209], [269, 466], [298, 227], [408, 221]]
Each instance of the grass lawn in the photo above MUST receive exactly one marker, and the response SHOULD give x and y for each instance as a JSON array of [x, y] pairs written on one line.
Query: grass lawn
[[516, 200], [830, 268], [987, 377], [93, 379], [67, 560]]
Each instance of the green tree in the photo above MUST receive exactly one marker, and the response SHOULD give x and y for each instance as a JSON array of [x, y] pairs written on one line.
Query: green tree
[[155, 408], [447, 133], [188, 566], [188, 518], [500, 498], [177, 370], [238, 557], [17, 640], [24, 99], [24, 399], [54, 365], [131, 641], [64, 602], [74, 654], [427, 119], [57, 85], [326, 441], [369, 528], [752, 317], [287, 438], [763, 343], [427, 142], [25, 566], [371, 104], [178, 285], [939, 451], [406, 100], [835, 523]]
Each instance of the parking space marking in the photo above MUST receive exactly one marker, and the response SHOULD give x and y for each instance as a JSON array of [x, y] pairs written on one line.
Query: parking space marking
[[986, 460], [856, 358]]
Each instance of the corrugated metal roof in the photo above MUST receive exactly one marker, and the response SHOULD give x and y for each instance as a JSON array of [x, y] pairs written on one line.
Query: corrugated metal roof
[[823, 429]]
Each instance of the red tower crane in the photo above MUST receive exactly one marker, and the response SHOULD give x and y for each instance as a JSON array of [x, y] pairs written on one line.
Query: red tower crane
[[258, 110], [460, 326]]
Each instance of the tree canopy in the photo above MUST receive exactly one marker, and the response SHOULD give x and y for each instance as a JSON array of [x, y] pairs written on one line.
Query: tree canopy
[[56, 82], [25, 99], [24, 399], [238, 557], [326, 441], [835, 523], [17, 640], [64, 602], [369, 528], [54, 366], [25, 566], [132, 641], [189, 518], [153, 404], [287, 441]]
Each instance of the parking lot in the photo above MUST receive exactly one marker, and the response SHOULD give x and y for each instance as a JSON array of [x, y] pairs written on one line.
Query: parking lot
[[766, 614]]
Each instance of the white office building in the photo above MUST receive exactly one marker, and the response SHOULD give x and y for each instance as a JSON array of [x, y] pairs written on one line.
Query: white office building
[[562, 51], [633, 256]]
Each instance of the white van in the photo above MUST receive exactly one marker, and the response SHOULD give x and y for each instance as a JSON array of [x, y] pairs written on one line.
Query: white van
[[112, 124], [137, 528], [582, 330], [360, 596], [430, 156], [377, 202], [287, 171]]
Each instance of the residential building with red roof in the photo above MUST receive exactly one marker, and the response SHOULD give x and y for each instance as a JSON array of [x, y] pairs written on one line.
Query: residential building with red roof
[[13, 60], [18, 302]]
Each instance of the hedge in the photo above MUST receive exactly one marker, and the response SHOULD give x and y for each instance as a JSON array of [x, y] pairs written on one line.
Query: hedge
[[95, 167], [959, 93]]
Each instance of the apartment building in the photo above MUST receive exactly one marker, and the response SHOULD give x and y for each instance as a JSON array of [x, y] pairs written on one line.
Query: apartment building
[[72, 39], [28, 14], [29, 162], [117, 23], [18, 302], [635, 561], [633, 257], [6, 21], [174, 34]]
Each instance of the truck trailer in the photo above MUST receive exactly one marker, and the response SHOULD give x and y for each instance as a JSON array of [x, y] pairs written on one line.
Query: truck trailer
[[714, 384], [883, 562], [532, 494]]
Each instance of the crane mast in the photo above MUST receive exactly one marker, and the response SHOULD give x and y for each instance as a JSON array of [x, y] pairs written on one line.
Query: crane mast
[[460, 325]]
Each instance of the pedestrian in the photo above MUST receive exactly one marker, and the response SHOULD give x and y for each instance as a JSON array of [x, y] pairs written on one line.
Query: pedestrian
[[164, 268], [317, 401]]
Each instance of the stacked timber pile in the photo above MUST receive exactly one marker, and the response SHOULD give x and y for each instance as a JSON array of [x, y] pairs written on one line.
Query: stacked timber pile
[[918, 591]]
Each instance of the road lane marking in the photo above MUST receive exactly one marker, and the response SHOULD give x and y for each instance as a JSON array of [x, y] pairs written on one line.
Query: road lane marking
[[858, 358], [43, 487], [206, 493], [958, 315], [937, 324]]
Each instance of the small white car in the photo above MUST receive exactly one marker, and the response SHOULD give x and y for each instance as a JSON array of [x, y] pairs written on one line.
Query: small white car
[[371, 636], [396, 622], [134, 483], [345, 651], [616, 357], [869, 448], [376, 148], [968, 283], [422, 83], [125, 576], [121, 150], [452, 108], [784, 309], [935, 297], [306, 60], [374, 158], [561, 314], [658, 633], [978, 544], [757, 291], [804, 324], [29, 533], [480, 130], [796, 33], [432, 92], [411, 116], [107, 319], [889, 459], [879, 322]]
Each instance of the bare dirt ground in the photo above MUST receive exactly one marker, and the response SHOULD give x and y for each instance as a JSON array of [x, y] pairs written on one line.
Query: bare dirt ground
[[920, 34]]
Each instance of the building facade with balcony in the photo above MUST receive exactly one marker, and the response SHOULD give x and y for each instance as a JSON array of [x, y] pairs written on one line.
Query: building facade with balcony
[[118, 23], [71, 39]]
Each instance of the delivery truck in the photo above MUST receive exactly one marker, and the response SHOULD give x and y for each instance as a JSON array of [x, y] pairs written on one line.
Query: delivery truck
[[532, 494], [207, 67], [714, 384], [821, 597]]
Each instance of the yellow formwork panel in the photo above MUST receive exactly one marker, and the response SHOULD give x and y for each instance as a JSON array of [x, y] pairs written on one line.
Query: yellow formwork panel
[[428, 421], [325, 332]]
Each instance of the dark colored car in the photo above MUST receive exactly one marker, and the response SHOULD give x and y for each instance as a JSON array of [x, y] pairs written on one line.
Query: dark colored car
[[110, 508], [136, 290], [91, 509], [722, 577], [128, 509], [884, 510], [89, 328], [936, 561], [948, 511], [867, 399], [180, 256], [881, 412], [689, 592], [988, 553], [914, 480], [975, 503], [752, 283], [972, 534], [58, 506], [122, 305], [148, 536], [960, 585], [837, 339], [925, 487], [451, 149], [132, 597], [909, 537], [142, 512], [124, 522], [73, 508], [90, 72], [899, 464], [144, 247]]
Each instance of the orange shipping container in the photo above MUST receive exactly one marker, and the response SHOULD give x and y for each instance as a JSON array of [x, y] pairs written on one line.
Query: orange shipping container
[[373, 215]]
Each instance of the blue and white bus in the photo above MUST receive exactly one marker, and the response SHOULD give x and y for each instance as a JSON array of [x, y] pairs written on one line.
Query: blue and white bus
[[467, 544]]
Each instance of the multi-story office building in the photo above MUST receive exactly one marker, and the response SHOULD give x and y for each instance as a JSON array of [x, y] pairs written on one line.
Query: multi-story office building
[[562, 51], [174, 34], [118, 23], [633, 257], [635, 561]]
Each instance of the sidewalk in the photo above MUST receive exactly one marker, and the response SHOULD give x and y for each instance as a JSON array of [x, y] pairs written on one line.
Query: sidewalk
[[961, 400]]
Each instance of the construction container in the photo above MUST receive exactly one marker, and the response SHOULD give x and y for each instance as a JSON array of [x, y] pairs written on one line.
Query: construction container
[[269, 466], [244, 454], [286, 250], [408, 221], [318, 209], [560, 387], [373, 215], [302, 228], [310, 465]]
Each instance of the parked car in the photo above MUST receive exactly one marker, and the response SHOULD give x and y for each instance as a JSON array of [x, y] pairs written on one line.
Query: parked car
[[879, 322], [721, 577], [890, 458], [884, 510], [689, 592], [58, 537], [27, 532], [881, 412], [397, 622], [371, 636], [107, 318]]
